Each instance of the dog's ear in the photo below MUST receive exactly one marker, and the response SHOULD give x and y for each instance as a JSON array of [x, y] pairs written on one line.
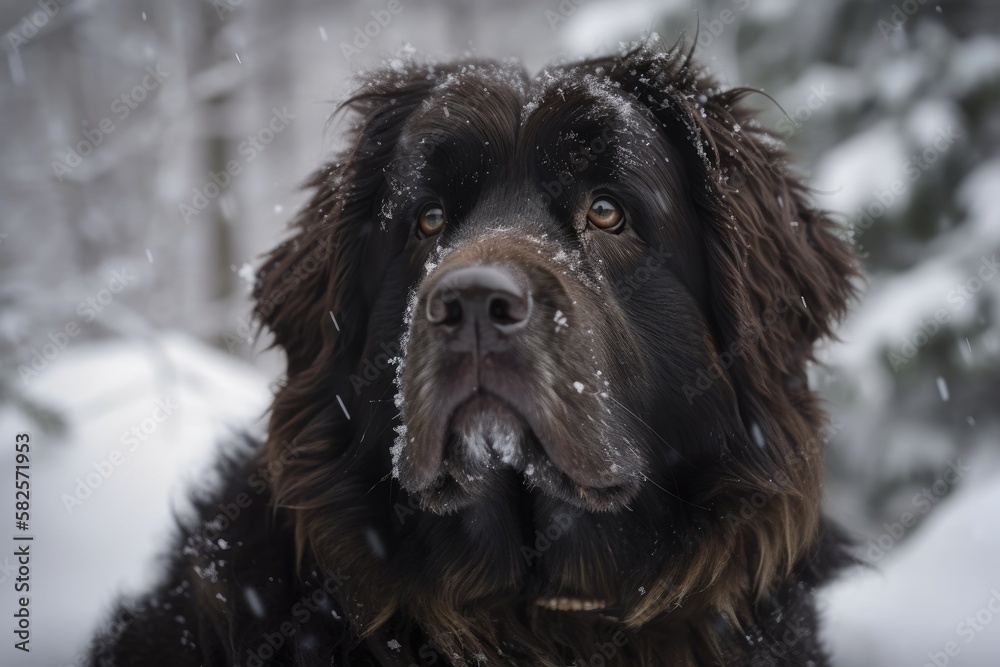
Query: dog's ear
[[781, 276], [319, 274], [307, 290]]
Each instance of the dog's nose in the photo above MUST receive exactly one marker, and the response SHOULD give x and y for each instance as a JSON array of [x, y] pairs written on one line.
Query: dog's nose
[[481, 304]]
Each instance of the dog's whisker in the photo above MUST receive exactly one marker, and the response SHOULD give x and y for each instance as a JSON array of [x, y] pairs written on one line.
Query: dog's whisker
[[648, 427], [372, 416], [674, 495], [372, 488]]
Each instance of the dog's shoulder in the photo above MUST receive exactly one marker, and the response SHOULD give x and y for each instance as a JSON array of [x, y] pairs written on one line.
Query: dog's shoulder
[[232, 592]]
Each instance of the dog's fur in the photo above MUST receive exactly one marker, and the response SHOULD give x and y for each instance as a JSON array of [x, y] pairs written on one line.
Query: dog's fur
[[650, 442]]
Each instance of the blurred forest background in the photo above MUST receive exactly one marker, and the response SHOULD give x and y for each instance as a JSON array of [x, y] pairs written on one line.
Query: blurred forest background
[[126, 250]]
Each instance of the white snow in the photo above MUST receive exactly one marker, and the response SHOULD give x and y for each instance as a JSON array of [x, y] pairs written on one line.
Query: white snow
[[926, 120], [248, 274], [851, 174], [83, 559], [895, 308], [599, 27], [560, 320], [919, 597], [975, 62], [942, 388]]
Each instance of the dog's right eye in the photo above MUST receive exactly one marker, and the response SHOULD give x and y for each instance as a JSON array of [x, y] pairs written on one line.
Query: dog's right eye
[[431, 220], [606, 214]]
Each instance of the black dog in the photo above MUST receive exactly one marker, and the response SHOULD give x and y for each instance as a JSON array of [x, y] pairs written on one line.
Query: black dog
[[546, 398]]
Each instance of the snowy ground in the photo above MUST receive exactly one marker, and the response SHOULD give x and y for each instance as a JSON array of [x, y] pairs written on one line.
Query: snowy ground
[[936, 592], [182, 398], [901, 614]]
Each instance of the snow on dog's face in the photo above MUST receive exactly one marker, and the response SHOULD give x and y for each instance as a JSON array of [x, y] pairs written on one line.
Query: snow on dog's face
[[560, 309], [575, 304]]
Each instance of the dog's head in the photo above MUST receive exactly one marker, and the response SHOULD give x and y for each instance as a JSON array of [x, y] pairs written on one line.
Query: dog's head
[[594, 292]]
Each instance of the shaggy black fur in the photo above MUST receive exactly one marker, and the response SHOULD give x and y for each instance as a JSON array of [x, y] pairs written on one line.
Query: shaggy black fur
[[528, 435]]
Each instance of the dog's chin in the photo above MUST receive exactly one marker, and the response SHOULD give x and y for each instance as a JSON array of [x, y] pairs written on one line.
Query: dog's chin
[[491, 448], [486, 431]]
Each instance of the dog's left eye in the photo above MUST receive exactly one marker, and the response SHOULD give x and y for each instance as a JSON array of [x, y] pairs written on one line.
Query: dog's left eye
[[606, 214], [431, 220]]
